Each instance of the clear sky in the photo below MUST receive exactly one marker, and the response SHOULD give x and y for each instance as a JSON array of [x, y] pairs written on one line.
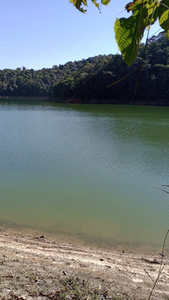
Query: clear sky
[[41, 33]]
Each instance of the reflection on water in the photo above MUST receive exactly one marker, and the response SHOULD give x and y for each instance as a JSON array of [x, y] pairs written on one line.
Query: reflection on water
[[86, 170]]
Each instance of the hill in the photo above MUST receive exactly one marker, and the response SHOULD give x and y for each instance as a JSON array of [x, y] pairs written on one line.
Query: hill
[[99, 79]]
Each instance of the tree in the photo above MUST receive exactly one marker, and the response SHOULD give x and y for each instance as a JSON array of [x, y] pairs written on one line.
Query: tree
[[90, 78], [129, 31]]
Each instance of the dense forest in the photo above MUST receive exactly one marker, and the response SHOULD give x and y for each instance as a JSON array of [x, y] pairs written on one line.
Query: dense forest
[[88, 80], [148, 85]]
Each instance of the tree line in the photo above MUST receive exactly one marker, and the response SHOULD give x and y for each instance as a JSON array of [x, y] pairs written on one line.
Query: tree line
[[109, 78], [30, 82], [104, 78]]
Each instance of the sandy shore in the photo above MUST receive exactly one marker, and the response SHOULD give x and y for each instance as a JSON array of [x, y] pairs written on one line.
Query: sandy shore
[[33, 267]]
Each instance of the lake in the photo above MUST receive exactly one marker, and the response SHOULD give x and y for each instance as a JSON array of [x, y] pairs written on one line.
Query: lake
[[86, 171]]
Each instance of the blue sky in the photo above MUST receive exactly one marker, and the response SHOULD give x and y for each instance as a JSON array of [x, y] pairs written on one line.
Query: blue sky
[[42, 33]]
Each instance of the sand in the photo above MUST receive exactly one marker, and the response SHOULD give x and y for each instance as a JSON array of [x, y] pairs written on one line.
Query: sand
[[35, 267]]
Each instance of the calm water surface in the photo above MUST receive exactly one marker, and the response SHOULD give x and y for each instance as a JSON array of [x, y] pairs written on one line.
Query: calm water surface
[[86, 171]]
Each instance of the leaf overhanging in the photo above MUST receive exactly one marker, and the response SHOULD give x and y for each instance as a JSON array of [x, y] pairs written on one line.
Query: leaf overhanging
[[78, 3], [129, 32], [105, 2], [164, 16]]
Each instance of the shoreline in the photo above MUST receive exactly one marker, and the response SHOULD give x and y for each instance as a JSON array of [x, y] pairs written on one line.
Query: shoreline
[[123, 273], [93, 101], [112, 101], [81, 240]]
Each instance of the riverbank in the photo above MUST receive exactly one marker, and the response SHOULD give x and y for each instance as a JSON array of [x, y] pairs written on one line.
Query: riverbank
[[72, 100], [111, 101], [36, 267]]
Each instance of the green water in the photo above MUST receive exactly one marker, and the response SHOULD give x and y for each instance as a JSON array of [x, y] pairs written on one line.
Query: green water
[[86, 171]]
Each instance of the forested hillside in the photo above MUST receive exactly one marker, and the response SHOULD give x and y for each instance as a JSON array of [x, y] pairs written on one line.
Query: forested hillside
[[29, 82], [149, 85], [89, 78]]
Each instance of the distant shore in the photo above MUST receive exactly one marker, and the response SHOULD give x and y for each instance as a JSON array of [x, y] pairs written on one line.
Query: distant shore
[[25, 98], [72, 100], [113, 101]]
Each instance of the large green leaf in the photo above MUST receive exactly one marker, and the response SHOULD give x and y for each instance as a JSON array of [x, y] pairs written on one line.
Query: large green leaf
[[129, 32], [164, 16]]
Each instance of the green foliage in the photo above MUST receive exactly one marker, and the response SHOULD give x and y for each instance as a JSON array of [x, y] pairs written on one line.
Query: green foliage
[[105, 2], [164, 16], [90, 81], [29, 82], [80, 3], [129, 31]]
